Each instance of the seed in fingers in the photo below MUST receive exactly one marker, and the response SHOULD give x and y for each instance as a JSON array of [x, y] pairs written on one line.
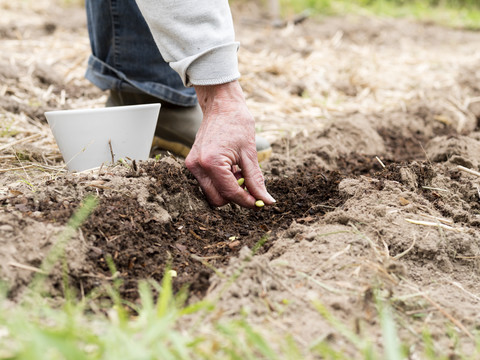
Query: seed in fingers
[[259, 203]]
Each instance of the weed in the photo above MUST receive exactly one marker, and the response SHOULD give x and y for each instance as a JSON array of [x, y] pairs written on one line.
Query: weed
[[457, 13], [58, 249], [158, 327], [29, 184], [6, 129], [391, 342]]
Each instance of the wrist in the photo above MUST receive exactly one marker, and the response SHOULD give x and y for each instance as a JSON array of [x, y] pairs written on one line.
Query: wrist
[[210, 96]]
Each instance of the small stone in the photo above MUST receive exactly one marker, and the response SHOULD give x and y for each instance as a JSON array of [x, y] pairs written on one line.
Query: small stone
[[96, 252], [6, 228], [234, 244]]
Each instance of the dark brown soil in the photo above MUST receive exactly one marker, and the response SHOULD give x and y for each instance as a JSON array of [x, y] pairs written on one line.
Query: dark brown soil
[[123, 232], [141, 247]]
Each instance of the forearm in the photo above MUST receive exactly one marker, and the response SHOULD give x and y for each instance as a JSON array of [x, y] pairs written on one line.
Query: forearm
[[196, 37]]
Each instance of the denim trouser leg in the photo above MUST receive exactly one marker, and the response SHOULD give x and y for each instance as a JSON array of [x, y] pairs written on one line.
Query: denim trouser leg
[[125, 56]]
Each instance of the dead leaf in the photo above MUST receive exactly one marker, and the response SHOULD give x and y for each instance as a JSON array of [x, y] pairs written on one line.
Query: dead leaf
[[306, 219]]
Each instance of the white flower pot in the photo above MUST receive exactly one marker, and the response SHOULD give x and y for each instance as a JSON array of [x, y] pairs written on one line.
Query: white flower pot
[[92, 137]]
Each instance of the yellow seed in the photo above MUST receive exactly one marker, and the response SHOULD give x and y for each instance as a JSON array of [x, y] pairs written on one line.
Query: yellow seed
[[172, 273], [240, 181], [259, 203]]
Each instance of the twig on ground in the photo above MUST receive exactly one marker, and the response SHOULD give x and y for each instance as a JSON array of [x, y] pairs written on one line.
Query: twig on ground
[[382, 270], [205, 263], [331, 258], [419, 311], [111, 151], [26, 267], [434, 188], [442, 220], [456, 322], [28, 138], [467, 170], [59, 169], [372, 244], [402, 254], [17, 168], [434, 224], [380, 161], [457, 284], [322, 285]]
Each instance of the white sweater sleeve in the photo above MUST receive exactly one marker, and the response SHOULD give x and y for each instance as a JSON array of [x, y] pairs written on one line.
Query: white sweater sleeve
[[196, 37]]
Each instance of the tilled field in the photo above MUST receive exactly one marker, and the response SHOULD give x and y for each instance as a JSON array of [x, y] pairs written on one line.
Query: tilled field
[[373, 121]]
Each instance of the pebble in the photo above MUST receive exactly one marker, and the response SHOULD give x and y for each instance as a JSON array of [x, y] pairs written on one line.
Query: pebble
[[6, 228], [234, 244]]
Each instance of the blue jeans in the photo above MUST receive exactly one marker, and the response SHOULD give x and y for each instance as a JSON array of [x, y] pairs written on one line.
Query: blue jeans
[[125, 56]]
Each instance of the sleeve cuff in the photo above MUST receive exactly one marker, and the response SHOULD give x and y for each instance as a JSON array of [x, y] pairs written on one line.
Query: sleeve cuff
[[218, 65]]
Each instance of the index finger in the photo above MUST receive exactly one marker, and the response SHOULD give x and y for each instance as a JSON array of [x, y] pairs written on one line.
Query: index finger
[[226, 184]]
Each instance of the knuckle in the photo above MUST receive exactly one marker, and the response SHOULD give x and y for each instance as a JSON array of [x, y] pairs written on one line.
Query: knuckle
[[238, 193], [207, 161], [191, 163], [250, 152], [258, 179]]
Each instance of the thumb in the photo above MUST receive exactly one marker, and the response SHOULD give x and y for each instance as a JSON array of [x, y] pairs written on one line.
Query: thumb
[[254, 180]]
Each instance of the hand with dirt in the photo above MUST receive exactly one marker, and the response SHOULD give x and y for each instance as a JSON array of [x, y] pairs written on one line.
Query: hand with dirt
[[224, 143]]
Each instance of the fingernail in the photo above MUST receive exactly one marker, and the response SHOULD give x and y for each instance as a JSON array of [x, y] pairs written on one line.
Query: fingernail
[[270, 197]]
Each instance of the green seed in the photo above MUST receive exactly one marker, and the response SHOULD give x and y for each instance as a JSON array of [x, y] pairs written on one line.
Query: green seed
[[259, 203], [240, 181]]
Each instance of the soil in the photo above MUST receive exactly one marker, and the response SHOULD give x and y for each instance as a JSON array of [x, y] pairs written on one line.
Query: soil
[[157, 215], [354, 173]]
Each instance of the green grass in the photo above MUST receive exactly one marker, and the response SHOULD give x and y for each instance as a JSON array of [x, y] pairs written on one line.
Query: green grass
[[98, 327], [6, 128], [456, 13], [92, 328]]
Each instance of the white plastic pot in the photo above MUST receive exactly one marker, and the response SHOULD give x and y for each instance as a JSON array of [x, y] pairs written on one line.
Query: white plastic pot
[[92, 137]]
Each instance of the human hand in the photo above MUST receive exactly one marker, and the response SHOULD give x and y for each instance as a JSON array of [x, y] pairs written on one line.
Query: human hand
[[224, 148]]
